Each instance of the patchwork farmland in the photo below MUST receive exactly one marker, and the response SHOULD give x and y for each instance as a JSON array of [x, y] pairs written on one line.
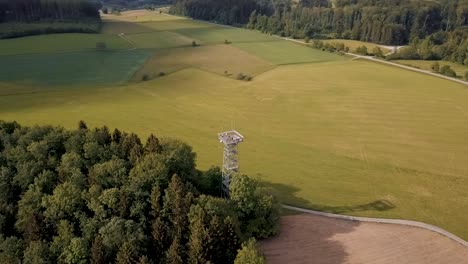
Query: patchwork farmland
[[326, 132]]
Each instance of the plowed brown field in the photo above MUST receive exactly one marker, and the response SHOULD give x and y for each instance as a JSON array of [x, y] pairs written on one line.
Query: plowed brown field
[[321, 240]]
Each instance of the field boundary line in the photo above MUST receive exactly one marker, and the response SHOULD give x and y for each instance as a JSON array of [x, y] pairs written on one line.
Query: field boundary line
[[122, 36], [356, 56], [381, 221]]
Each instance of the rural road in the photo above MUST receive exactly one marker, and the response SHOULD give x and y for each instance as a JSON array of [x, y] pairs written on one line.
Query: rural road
[[392, 64], [382, 221]]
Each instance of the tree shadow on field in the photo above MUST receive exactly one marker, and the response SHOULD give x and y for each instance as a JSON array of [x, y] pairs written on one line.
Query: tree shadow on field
[[289, 191], [306, 238]]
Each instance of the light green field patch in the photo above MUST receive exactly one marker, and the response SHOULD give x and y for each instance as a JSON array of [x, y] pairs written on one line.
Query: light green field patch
[[142, 16], [175, 25], [72, 68], [116, 27], [159, 40], [59, 43], [218, 35], [285, 52], [221, 59]]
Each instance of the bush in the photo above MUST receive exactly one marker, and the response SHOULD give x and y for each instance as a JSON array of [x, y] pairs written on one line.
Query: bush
[[447, 71], [249, 254], [227, 42], [362, 50], [408, 53], [244, 77], [101, 46], [307, 40], [194, 43], [466, 75], [162, 74], [435, 67], [377, 51], [145, 77]]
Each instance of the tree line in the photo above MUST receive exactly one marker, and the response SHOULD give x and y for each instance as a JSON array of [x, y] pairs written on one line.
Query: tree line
[[34, 17], [436, 29], [95, 196], [384, 21], [27, 11]]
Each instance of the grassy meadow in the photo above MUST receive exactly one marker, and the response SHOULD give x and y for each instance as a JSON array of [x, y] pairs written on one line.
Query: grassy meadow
[[325, 132]]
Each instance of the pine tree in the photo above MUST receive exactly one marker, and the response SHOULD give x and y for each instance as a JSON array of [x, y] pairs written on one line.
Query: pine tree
[[153, 145], [198, 236], [156, 202], [174, 254], [82, 125], [177, 203], [144, 260], [98, 253], [127, 254]]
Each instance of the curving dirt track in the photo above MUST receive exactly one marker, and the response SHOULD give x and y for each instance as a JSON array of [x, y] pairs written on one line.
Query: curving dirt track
[[315, 239]]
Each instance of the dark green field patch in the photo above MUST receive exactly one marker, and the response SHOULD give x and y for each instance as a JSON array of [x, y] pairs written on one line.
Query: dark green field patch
[[73, 68], [60, 43]]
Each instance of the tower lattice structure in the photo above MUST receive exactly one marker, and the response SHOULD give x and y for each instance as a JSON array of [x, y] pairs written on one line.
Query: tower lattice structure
[[231, 140]]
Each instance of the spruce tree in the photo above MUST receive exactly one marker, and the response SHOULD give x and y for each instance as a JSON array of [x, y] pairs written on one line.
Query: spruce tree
[[153, 145], [98, 251], [127, 254], [174, 254]]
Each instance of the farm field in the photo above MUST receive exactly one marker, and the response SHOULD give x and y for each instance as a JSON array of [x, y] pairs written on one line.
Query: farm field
[[326, 132], [60, 43]]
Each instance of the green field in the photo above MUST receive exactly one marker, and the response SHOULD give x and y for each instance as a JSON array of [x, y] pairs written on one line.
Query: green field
[[325, 132], [284, 52], [60, 43], [427, 64], [72, 68]]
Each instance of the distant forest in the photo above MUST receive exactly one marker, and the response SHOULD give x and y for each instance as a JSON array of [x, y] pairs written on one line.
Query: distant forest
[[380, 21], [48, 10], [136, 3], [390, 22], [30, 17], [95, 196]]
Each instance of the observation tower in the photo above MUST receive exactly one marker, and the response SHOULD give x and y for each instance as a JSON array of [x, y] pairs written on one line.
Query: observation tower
[[230, 139]]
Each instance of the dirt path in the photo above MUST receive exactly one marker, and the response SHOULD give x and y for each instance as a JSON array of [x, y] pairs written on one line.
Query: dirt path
[[307, 238]]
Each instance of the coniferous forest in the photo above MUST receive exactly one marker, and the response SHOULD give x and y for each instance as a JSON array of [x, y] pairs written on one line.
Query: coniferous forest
[[95, 196], [435, 29], [22, 17]]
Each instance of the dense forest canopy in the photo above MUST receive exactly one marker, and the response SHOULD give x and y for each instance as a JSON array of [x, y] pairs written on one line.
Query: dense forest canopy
[[92, 196], [136, 3], [382, 21], [48, 10]]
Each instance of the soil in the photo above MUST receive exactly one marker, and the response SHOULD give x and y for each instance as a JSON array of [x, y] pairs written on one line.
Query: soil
[[314, 239]]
